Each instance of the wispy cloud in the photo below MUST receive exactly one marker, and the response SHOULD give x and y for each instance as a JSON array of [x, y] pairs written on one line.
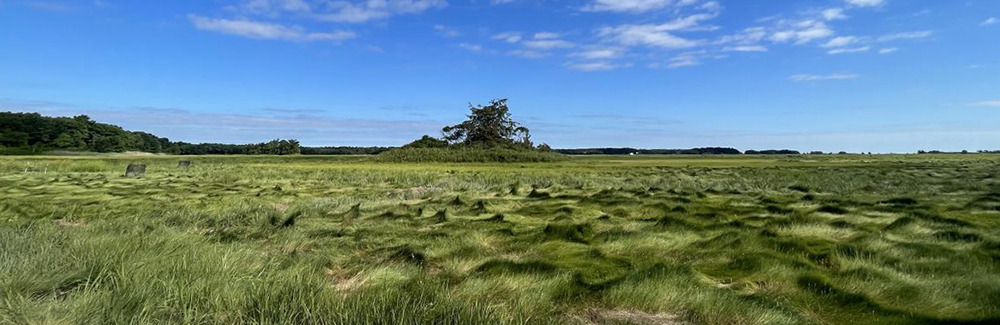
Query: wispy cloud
[[271, 7], [906, 35], [863, 49], [528, 54], [990, 21], [360, 12], [471, 47], [638, 6], [865, 3], [745, 48], [841, 41], [548, 43], [509, 37], [265, 31], [812, 77], [600, 53], [888, 50], [801, 32], [989, 103], [833, 14], [447, 31], [593, 66]]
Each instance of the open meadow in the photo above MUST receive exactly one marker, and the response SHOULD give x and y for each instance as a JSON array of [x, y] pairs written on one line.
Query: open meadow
[[831, 239]]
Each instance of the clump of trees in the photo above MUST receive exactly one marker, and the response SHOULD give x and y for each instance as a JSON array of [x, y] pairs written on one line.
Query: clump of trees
[[33, 132], [773, 152], [344, 150], [487, 127], [30, 133], [273, 147], [627, 151], [489, 134]]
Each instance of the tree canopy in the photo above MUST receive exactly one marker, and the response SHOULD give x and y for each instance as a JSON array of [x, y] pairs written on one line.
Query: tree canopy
[[29, 133], [489, 126]]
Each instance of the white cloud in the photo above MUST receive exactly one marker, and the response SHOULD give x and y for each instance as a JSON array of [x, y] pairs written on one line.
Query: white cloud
[[643, 6], [509, 37], [990, 21], [267, 31], [888, 50], [863, 49], [546, 35], [906, 35], [833, 14], [866, 3], [593, 66], [745, 48], [528, 54], [812, 77], [632, 6], [650, 35], [989, 103], [802, 32], [683, 60], [359, 12], [471, 47], [711, 6], [747, 36], [841, 41], [447, 31], [658, 35], [273, 7], [601, 53], [548, 44]]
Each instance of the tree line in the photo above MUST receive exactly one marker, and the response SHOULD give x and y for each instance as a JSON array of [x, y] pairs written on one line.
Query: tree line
[[629, 151], [32, 133]]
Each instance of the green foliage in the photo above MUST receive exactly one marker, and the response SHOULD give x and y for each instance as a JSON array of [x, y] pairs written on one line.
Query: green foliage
[[467, 155], [589, 240], [33, 133], [31, 130], [343, 150], [489, 126], [427, 142]]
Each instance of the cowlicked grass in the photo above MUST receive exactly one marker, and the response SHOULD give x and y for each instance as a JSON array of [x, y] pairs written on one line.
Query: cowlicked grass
[[612, 240]]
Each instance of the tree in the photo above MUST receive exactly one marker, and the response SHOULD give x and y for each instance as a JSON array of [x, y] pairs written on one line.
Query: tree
[[14, 139], [427, 142], [489, 126]]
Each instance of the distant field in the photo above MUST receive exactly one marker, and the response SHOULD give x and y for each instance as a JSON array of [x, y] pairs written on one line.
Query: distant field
[[592, 240]]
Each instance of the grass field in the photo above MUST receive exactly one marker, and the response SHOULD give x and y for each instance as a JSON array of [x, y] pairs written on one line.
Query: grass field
[[589, 240]]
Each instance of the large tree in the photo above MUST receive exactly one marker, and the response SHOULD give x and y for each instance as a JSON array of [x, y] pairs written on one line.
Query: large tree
[[489, 126]]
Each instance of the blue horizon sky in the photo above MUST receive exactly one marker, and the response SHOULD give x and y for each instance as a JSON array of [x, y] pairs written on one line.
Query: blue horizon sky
[[830, 75]]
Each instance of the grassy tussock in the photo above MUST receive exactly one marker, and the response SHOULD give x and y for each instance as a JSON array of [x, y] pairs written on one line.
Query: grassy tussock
[[344, 241], [467, 155]]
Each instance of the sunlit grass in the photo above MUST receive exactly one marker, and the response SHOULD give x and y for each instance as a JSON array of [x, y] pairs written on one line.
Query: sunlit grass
[[349, 240]]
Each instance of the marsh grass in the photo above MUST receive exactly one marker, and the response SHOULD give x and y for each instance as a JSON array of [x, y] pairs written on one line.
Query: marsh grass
[[607, 240]]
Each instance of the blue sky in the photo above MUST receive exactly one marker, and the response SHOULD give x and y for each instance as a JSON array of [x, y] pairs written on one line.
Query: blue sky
[[855, 75]]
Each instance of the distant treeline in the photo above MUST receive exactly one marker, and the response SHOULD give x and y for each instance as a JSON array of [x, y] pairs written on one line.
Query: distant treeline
[[274, 147], [772, 152], [629, 151], [32, 133], [345, 150]]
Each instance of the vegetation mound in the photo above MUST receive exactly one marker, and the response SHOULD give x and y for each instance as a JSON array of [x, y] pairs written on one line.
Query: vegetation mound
[[467, 154], [488, 135]]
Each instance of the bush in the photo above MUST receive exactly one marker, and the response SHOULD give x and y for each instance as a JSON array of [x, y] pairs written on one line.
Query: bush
[[466, 154]]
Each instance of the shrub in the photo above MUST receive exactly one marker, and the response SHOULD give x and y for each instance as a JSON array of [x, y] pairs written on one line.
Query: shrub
[[466, 154]]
